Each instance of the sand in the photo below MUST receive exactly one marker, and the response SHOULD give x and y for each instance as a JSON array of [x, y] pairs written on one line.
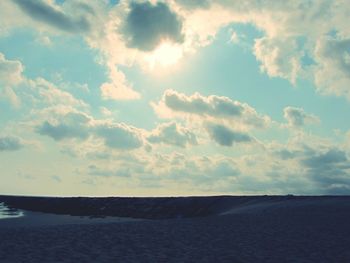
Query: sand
[[37, 219], [305, 231]]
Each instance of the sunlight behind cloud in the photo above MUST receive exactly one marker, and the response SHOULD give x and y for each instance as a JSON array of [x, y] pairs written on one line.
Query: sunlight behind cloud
[[166, 54]]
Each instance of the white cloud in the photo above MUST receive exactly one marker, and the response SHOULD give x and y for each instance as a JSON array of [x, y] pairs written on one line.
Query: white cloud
[[105, 111], [10, 76], [312, 168], [34, 92], [118, 88], [10, 71], [44, 40], [46, 93], [279, 58], [291, 30], [235, 38], [9, 94]]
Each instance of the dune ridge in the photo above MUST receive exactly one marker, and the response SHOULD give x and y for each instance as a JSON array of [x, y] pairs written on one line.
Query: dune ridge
[[271, 229], [169, 207]]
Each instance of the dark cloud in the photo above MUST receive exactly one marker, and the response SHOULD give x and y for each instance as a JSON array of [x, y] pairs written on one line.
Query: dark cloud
[[215, 107], [337, 52], [340, 189], [330, 170], [77, 125], [331, 157], [147, 25], [172, 134], [61, 131], [326, 169], [72, 125], [43, 12], [197, 104], [297, 117], [332, 54], [10, 143], [225, 136], [120, 136]]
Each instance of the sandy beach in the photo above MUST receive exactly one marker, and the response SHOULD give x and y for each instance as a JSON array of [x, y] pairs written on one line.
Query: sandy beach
[[310, 230]]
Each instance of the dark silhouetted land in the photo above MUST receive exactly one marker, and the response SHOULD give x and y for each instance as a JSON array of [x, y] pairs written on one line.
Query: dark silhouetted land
[[178, 229]]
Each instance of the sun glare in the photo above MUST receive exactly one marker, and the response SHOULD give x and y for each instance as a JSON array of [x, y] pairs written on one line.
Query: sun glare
[[166, 54]]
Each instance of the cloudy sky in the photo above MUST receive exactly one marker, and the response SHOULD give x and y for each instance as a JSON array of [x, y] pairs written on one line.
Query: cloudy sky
[[178, 97]]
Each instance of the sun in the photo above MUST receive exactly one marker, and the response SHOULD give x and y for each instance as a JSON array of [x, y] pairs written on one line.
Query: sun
[[166, 54]]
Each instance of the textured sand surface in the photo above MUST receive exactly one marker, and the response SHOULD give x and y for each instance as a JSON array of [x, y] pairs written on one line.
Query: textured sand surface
[[300, 232]]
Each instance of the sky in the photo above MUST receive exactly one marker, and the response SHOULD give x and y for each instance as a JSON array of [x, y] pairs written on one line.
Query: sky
[[173, 98]]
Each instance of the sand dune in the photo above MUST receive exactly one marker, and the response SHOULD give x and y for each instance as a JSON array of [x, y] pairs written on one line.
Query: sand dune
[[166, 207], [238, 229]]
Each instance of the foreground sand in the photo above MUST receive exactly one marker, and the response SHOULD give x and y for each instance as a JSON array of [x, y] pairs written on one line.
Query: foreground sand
[[301, 231]]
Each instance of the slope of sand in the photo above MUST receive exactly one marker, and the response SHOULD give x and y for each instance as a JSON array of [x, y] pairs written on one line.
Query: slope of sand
[[269, 230]]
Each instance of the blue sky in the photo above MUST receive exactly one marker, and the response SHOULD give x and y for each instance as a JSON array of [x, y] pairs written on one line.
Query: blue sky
[[174, 97]]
